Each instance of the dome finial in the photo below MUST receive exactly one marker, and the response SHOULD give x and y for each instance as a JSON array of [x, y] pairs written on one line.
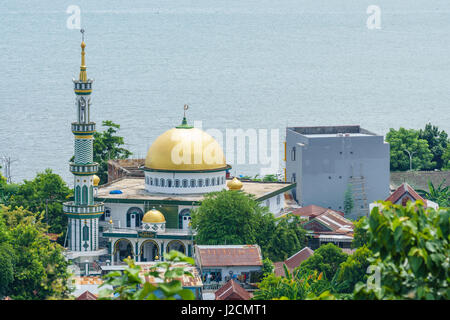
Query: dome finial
[[83, 74], [184, 124]]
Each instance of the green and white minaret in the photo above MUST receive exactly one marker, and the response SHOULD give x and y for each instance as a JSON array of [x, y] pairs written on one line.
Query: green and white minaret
[[83, 213]]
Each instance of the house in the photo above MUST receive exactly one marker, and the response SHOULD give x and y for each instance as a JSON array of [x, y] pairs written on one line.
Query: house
[[329, 227], [324, 161], [220, 263], [309, 212], [232, 291], [405, 193], [293, 262]]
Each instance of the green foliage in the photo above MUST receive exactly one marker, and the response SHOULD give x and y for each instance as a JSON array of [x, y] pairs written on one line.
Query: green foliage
[[404, 139], [267, 267], [446, 158], [327, 259], [234, 217], [40, 269], [440, 195], [348, 201], [299, 285], [266, 178], [411, 252], [353, 270], [128, 285], [360, 233], [288, 238], [107, 145], [438, 142], [46, 189]]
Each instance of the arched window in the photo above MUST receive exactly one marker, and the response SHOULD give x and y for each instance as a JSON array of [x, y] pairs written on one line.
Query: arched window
[[192, 183], [169, 183], [293, 154], [134, 217], [185, 183], [162, 182], [222, 179], [200, 183], [213, 181], [156, 182], [207, 182], [177, 183], [218, 180], [85, 195], [91, 194], [85, 233], [151, 181], [278, 199], [78, 195]]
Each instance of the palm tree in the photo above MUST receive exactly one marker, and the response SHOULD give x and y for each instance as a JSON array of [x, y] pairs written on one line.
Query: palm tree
[[440, 195]]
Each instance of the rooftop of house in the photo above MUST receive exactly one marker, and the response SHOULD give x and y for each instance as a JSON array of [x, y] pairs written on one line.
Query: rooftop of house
[[293, 261], [228, 255], [186, 281], [312, 211], [133, 188], [403, 189], [87, 295], [232, 291], [332, 131]]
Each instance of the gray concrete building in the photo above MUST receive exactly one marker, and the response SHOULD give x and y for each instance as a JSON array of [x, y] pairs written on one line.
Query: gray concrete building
[[327, 161]]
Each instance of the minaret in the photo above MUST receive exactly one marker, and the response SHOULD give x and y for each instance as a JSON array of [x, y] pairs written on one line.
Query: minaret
[[83, 213]]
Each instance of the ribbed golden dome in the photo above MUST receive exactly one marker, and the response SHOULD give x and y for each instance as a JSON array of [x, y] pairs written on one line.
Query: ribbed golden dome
[[96, 180], [234, 184], [153, 216], [185, 148]]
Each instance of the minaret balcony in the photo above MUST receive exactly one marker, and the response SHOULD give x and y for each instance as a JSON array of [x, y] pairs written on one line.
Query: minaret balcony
[[83, 128], [83, 169], [71, 208]]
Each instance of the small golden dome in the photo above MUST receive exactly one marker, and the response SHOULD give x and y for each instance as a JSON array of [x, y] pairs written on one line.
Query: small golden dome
[[234, 184], [96, 180], [83, 45], [153, 216], [167, 151]]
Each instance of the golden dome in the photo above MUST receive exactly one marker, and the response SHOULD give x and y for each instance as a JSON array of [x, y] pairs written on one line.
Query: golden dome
[[153, 216], [96, 180], [185, 148], [234, 184]]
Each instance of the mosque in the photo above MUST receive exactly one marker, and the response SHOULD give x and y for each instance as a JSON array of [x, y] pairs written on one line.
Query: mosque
[[143, 217]]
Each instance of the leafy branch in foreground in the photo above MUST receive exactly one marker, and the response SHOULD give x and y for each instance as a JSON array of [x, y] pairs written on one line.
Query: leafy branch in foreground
[[129, 285]]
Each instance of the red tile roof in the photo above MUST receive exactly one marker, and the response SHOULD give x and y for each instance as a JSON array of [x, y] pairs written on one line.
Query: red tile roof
[[232, 255], [401, 191], [293, 262], [232, 291], [87, 296], [330, 221], [309, 211]]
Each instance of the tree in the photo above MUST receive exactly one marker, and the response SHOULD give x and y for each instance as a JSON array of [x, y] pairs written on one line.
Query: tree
[[327, 259], [298, 285], [446, 158], [348, 201], [440, 195], [288, 238], [353, 270], [437, 143], [6, 261], [40, 269], [360, 233], [128, 285], [404, 139], [267, 267], [235, 217], [108, 146], [410, 248], [45, 193]]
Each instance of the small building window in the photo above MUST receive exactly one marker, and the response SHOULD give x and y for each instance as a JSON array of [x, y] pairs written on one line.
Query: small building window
[[192, 183], [85, 233], [213, 181], [162, 183], [185, 183], [177, 183], [293, 177], [151, 181], [278, 199], [218, 181], [200, 183], [293, 154], [169, 183], [157, 182], [207, 182]]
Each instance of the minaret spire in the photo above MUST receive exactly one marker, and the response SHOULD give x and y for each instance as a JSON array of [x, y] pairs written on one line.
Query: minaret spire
[[83, 74]]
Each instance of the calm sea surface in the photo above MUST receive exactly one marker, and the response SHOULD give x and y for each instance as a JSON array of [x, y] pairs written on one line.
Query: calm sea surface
[[238, 64]]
